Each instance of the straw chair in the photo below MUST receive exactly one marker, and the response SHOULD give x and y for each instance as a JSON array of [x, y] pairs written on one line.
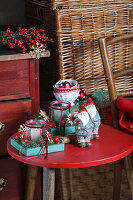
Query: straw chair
[[111, 76]]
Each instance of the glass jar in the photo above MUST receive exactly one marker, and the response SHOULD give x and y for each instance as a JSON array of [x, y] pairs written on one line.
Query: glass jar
[[34, 129], [59, 110]]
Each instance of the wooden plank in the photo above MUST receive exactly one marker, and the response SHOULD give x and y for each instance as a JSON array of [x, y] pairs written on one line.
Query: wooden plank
[[12, 114], [21, 56], [48, 183], [31, 181], [14, 81], [34, 86]]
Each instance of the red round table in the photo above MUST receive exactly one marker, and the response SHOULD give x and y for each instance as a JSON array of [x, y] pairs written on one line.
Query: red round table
[[112, 145]]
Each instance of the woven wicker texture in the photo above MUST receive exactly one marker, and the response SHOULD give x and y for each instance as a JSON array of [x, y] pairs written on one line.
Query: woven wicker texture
[[121, 57], [77, 29], [93, 183], [78, 48], [61, 4]]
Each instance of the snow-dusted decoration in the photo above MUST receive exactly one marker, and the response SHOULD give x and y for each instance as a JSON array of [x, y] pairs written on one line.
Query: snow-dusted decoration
[[38, 51], [44, 115], [22, 130], [69, 119]]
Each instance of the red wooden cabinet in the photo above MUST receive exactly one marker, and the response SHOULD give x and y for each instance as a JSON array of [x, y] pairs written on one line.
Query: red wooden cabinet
[[19, 92]]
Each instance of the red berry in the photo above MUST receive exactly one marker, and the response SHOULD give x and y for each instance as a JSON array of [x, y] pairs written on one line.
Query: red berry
[[24, 140], [57, 142], [78, 122], [56, 139], [51, 124], [17, 136]]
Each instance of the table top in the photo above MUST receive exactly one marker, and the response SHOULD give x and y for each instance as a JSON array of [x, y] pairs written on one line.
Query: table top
[[112, 145], [11, 55]]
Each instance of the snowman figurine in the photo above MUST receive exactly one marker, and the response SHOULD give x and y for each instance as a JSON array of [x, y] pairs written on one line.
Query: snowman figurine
[[83, 127], [95, 117]]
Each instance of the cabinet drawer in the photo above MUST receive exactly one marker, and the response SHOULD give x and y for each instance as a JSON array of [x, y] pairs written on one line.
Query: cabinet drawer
[[14, 79], [12, 114]]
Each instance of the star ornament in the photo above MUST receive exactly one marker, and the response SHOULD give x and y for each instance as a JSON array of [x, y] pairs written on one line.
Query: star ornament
[[37, 51]]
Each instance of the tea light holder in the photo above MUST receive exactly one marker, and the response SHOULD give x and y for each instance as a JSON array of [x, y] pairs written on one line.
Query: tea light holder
[[34, 129], [58, 112]]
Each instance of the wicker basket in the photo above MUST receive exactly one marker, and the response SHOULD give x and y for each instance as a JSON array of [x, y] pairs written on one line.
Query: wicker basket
[[102, 109], [92, 183], [77, 27], [61, 4]]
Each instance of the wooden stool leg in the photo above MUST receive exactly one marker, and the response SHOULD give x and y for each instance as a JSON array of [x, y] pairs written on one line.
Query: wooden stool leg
[[48, 183], [129, 170], [31, 181], [117, 179]]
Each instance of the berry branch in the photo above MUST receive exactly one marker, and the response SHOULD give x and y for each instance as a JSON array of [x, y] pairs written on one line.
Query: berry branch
[[25, 40]]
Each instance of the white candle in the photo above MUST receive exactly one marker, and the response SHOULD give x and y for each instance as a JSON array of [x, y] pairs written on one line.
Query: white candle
[[35, 134]]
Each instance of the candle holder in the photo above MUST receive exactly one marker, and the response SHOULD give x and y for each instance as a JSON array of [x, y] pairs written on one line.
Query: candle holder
[[34, 129], [58, 112]]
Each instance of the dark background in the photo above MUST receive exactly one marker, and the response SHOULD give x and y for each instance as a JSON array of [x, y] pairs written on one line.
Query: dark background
[[12, 12]]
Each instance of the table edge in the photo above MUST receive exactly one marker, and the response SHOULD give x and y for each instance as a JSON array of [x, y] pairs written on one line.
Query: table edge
[[71, 165]]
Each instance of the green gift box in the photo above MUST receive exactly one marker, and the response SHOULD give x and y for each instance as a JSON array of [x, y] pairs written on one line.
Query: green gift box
[[55, 131], [28, 151], [69, 129]]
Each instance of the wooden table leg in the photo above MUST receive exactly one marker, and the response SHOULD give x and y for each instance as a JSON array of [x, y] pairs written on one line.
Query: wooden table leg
[[31, 181], [48, 183], [128, 161], [117, 179]]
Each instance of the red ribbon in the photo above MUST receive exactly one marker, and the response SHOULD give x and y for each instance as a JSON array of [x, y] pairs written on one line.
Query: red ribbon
[[65, 108], [60, 119], [46, 141]]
